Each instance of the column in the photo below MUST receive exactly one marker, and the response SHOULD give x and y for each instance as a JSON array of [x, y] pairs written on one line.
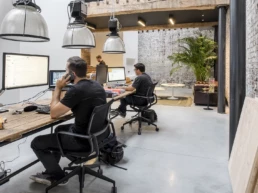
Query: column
[[237, 65], [221, 58]]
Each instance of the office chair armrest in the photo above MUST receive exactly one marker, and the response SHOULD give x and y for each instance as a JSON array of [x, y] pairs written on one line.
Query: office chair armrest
[[58, 135], [144, 97], [113, 128], [149, 99]]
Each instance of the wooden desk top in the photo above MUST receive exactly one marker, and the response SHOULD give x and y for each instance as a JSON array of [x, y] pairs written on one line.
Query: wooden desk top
[[126, 93], [17, 125]]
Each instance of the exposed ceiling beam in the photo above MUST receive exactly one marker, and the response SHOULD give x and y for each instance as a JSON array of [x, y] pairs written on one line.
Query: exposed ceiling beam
[[104, 8], [156, 27]]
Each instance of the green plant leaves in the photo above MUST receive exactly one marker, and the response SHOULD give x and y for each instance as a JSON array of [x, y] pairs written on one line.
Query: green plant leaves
[[197, 53]]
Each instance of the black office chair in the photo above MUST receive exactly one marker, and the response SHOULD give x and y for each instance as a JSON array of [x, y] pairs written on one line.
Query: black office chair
[[151, 99], [99, 119]]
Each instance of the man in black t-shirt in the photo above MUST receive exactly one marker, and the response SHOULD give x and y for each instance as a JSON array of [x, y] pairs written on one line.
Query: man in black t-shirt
[[81, 99], [141, 84]]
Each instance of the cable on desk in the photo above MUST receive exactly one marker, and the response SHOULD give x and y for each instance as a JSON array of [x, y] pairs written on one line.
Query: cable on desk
[[27, 100]]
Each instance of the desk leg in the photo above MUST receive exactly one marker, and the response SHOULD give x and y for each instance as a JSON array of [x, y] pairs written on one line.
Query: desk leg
[[173, 95], [7, 178]]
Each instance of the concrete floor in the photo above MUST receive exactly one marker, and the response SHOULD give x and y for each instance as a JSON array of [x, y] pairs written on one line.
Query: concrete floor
[[188, 155]]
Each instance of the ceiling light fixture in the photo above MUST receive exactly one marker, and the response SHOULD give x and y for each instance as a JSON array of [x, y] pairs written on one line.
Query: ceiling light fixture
[[114, 44], [24, 23], [77, 35], [171, 20], [141, 22]]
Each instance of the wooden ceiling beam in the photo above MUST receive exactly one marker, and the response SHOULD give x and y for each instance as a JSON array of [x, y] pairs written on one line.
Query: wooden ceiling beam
[[160, 27], [123, 7]]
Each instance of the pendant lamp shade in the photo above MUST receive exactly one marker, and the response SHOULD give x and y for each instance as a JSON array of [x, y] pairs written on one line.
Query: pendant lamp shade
[[78, 37], [114, 45], [24, 23]]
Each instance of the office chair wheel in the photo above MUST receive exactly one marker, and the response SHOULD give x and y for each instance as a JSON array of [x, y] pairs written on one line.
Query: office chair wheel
[[122, 128], [157, 129], [114, 190], [100, 171]]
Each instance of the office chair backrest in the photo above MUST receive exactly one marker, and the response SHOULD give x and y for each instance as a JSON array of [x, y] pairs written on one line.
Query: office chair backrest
[[151, 89], [150, 93], [99, 121]]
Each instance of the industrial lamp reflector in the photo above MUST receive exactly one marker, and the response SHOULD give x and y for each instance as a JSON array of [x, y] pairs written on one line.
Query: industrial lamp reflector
[[24, 23], [114, 44]]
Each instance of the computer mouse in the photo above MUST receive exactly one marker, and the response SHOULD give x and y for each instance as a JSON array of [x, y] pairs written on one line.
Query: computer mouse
[[30, 108]]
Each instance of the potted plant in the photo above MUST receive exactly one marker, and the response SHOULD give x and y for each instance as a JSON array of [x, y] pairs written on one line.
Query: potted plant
[[198, 53]]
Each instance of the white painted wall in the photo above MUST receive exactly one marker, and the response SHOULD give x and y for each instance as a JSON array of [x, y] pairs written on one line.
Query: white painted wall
[[55, 14], [131, 56], [7, 46]]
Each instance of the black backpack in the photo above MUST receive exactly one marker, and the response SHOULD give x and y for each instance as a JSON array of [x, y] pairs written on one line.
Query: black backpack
[[112, 153], [151, 115]]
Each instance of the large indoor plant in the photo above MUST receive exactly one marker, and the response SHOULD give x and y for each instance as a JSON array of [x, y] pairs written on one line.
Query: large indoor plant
[[198, 53]]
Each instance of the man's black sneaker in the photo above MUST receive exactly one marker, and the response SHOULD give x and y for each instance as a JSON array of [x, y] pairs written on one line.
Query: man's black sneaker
[[46, 179], [118, 112]]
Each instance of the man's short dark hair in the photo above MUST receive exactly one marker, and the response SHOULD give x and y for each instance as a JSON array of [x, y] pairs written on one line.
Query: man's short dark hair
[[99, 57], [140, 66], [78, 66]]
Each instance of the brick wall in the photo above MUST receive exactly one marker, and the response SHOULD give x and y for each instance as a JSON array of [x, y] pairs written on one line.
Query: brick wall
[[251, 47], [156, 46], [85, 54]]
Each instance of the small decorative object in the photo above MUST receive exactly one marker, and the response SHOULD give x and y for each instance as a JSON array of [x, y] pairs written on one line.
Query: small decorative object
[[205, 89], [211, 84], [2, 121]]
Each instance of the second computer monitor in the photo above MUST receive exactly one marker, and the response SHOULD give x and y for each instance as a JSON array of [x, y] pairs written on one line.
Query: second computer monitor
[[54, 76], [116, 74], [101, 74]]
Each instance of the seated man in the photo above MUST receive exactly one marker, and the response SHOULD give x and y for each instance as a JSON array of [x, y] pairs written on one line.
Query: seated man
[[76, 99], [141, 84]]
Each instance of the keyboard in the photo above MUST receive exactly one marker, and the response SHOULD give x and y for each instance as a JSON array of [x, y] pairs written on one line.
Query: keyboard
[[44, 109]]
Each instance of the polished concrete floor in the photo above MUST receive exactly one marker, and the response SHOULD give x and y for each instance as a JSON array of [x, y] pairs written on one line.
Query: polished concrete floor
[[188, 155]]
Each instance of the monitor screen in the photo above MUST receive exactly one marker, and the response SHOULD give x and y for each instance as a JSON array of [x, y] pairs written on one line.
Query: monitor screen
[[101, 73], [55, 75], [116, 74], [21, 70]]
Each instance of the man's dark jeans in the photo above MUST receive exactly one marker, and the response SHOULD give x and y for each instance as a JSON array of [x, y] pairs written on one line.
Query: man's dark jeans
[[131, 100], [44, 145]]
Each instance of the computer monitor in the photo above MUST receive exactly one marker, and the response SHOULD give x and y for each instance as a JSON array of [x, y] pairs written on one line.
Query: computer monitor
[[116, 74], [24, 70], [101, 74], [55, 75]]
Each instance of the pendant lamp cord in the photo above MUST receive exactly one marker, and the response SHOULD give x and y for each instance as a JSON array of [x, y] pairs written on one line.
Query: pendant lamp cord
[[25, 17], [113, 10]]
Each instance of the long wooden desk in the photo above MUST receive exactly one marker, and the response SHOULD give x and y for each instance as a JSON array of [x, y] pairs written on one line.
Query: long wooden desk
[[28, 123], [18, 125]]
